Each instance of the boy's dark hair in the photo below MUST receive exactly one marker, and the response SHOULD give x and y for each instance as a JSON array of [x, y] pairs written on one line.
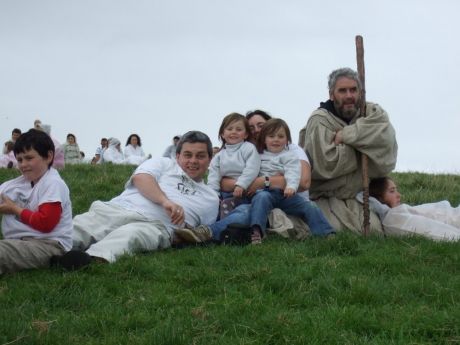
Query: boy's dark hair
[[16, 130], [195, 137], [377, 187], [37, 140], [270, 127]]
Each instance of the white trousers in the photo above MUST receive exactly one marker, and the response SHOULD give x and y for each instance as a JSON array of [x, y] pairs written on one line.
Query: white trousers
[[108, 231]]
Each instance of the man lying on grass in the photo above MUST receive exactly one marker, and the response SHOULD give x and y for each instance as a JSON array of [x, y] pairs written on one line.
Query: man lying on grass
[[36, 207], [162, 194]]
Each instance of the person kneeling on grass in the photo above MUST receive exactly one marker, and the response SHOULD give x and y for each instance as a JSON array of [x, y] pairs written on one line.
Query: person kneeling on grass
[[162, 194], [437, 221], [36, 207]]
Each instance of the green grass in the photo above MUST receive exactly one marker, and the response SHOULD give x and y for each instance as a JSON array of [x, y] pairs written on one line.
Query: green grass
[[350, 290]]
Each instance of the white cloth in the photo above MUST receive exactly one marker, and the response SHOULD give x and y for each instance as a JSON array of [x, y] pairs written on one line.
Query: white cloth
[[50, 188], [438, 221], [198, 200], [6, 158], [170, 152], [100, 152], [112, 155], [134, 155], [239, 161], [283, 163], [300, 153], [108, 231]]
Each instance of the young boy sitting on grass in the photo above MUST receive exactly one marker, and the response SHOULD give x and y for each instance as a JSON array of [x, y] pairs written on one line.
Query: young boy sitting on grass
[[35, 207]]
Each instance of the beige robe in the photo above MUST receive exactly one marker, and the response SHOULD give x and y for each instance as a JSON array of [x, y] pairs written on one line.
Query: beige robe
[[337, 170]]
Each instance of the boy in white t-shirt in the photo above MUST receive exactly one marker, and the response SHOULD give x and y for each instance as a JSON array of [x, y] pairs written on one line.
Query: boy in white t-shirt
[[36, 207]]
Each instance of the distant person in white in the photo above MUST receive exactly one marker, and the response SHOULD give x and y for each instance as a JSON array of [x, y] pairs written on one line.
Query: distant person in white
[[170, 151], [97, 159], [162, 194], [134, 154], [113, 153]]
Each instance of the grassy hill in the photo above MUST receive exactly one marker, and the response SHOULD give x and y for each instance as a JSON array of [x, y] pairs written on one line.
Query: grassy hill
[[350, 290]]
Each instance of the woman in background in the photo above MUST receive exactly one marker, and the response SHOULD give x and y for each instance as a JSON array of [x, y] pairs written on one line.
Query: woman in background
[[71, 150], [134, 154]]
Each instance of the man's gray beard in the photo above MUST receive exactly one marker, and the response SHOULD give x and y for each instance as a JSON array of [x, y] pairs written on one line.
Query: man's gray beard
[[347, 114]]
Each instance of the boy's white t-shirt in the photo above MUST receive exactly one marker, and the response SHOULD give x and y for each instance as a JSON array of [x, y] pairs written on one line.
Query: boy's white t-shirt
[[50, 188], [199, 201]]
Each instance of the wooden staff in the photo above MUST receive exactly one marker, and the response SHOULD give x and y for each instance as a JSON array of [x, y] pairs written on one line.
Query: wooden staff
[[364, 162]]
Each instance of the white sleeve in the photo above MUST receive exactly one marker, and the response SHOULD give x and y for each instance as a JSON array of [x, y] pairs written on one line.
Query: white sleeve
[[214, 175], [297, 150]]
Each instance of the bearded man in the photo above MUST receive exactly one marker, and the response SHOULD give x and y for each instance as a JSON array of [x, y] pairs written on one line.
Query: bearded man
[[334, 138]]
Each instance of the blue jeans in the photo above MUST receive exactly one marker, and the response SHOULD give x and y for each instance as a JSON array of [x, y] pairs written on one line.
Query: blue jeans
[[264, 201], [239, 215]]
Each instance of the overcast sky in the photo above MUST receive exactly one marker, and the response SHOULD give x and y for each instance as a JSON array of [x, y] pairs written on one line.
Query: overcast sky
[[100, 68]]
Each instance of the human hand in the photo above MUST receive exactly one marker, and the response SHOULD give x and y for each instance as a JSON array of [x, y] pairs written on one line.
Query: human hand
[[175, 211], [338, 137], [288, 192], [227, 184], [238, 192], [258, 183], [7, 206]]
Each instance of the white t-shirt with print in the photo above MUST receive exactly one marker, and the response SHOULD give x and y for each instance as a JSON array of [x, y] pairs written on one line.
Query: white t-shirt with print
[[198, 200]]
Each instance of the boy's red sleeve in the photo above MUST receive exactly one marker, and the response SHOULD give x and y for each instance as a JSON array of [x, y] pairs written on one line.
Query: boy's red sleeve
[[45, 219]]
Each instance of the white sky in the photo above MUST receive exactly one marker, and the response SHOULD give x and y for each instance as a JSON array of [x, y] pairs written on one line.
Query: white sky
[[159, 68]]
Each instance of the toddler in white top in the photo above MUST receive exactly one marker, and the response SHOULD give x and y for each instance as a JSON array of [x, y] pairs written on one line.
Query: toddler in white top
[[277, 159], [238, 159]]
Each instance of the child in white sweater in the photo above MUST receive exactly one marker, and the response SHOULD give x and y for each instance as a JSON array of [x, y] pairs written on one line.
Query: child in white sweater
[[277, 159], [238, 159]]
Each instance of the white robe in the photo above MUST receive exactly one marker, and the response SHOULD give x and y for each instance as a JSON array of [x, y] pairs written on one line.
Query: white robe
[[438, 221]]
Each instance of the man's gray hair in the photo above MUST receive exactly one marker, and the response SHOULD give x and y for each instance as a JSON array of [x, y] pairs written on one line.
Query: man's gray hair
[[342, 72]]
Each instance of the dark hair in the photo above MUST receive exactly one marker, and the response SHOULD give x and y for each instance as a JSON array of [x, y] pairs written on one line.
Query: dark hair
[[138, 140], [16, 130], [270, 127], [230, 118], [71, 135], [195, 137], [259, 112], [36, 140], [378, 186]]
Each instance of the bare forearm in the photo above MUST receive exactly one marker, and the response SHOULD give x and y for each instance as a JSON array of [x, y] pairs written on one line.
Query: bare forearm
[[149, 188]]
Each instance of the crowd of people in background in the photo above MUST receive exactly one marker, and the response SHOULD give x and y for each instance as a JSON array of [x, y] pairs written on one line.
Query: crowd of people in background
[[69, 152]]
